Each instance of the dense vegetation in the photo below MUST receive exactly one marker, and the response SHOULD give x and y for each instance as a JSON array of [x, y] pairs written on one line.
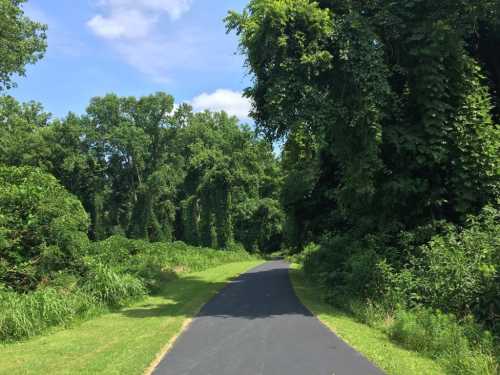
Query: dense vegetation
[[389, 115], [387, 190], [146, 171], [93, 208]]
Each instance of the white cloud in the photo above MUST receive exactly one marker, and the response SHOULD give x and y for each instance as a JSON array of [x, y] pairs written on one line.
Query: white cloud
[[144, 35], [134, 30], [229, 101], [130, 24], [157, 56], [134, 19], [174, 8]]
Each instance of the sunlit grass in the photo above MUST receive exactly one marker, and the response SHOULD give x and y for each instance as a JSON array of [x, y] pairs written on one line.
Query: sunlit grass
[[124, 342], [374, 344]]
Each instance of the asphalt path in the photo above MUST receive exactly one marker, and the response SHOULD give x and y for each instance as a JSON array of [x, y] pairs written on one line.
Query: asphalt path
[[257, 326]]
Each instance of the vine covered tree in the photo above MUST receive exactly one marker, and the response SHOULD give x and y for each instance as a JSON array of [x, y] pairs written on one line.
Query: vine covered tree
[[146, 171], [383, 104]]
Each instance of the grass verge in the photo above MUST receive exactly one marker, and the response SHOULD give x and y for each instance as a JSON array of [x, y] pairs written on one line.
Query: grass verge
[[371, 342], [124, 342]]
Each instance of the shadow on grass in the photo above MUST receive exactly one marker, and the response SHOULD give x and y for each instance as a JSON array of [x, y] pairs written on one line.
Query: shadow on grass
[[263, 292], [315, 295]]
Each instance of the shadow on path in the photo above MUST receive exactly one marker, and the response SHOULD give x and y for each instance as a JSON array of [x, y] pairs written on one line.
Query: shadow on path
[[259, 293]]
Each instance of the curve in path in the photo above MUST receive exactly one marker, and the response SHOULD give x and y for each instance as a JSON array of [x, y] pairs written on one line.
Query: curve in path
[[257, 326]]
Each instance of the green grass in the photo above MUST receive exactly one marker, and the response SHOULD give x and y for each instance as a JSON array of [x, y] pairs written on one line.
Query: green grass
[[124, 342], [371, 342]]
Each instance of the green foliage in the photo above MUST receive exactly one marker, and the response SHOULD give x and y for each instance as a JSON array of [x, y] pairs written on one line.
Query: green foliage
[[140, 169], [455, 271], [111, 288], [462, 348], [458, 271], [144, 170], [20, 143], [385, 110], [42, 227], [259, 224], [226, 167], [159, 261], [26, 315], [115, 272], [22, 41]]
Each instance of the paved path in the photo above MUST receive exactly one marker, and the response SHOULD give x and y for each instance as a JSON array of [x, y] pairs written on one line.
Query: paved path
[[257, 326]]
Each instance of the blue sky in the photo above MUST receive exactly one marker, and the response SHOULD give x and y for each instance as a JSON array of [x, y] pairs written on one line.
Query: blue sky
[[136, 47]]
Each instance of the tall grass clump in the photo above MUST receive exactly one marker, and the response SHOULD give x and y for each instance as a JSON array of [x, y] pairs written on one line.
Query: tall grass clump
[[110, 288], [26, 315], [111, 274]]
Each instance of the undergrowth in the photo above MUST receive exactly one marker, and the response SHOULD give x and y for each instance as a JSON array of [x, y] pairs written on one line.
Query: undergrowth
[[115, 273]]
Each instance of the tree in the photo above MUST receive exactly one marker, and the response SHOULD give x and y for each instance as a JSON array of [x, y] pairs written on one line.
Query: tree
[[22, 41], [133, 139], [382, 105], [226, 167]]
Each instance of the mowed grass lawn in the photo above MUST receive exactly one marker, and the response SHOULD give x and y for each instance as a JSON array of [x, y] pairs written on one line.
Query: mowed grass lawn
[[371, 342], [123, 342]]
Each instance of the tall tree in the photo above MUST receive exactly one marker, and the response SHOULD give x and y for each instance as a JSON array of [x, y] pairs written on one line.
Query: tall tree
[[396, 107]]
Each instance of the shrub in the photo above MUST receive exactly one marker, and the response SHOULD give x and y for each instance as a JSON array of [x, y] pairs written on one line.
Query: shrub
[[441, 267], [345, 265], [42, 227], [456, 271], [462, 348]]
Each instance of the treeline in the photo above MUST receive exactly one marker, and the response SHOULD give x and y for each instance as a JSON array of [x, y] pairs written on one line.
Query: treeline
[[147, 171], [389, 112]]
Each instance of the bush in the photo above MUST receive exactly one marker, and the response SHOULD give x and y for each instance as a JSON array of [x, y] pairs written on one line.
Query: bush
[[42, 227], [346, 266], [440, 267], [456, 271], [459, 271], [462, 348]]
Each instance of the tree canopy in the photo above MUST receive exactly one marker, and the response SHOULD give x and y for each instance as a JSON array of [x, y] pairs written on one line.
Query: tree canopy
[[384, 103], [146, 171]]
